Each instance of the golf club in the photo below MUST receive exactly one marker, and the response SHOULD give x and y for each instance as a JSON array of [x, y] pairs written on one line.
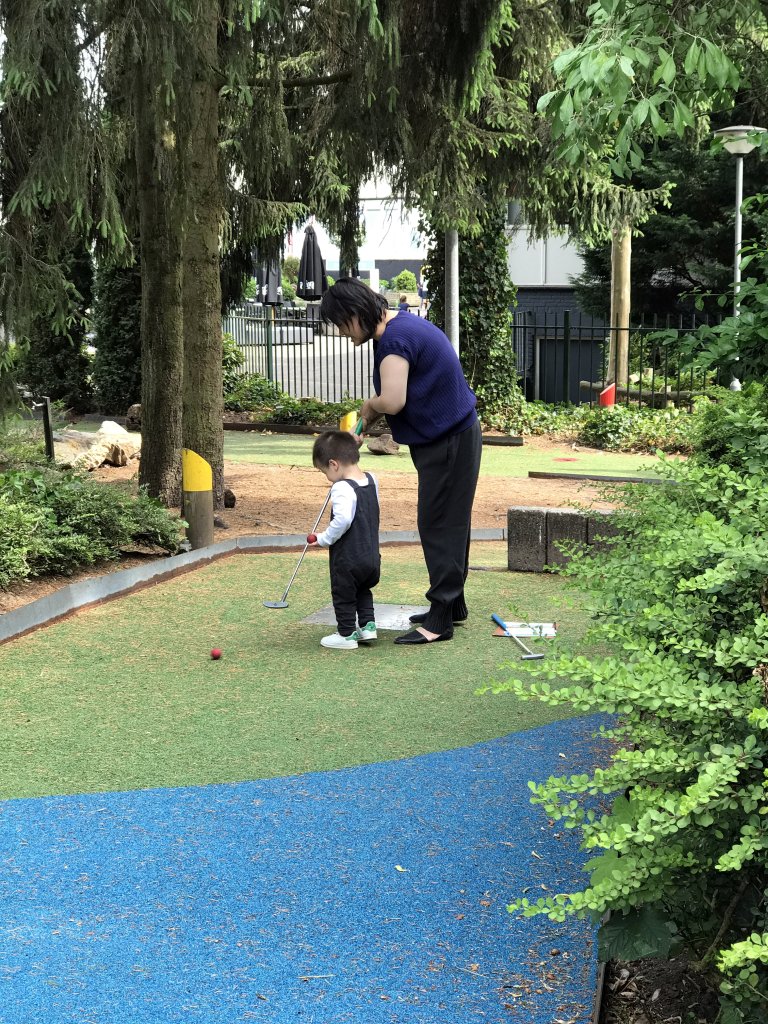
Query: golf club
[[282, 603], [528, 654]]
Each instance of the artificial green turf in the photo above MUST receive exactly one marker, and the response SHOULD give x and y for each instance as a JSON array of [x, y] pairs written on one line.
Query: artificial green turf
[[295, 450], [125, 695]]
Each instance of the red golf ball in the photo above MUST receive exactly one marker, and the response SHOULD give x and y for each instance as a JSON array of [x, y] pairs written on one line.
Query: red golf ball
[[311, 538], [215, 653]]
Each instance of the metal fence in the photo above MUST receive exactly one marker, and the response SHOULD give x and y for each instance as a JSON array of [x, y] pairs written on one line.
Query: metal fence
[[559, 358], [303, 356], [565, 359]]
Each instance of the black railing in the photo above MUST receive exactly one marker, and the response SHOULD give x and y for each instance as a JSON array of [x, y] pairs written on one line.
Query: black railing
[[559, 358], [564, 359], [303, 356]]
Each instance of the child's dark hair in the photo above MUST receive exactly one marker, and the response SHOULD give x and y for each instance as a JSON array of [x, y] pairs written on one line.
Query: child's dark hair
[[338, 445], [403, 298], [350, 297]]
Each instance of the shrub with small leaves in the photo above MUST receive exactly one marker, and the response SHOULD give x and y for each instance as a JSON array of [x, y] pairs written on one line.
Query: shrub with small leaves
[[677, 823]]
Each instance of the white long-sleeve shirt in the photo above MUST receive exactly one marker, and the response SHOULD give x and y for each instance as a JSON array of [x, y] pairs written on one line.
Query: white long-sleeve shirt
[[344, 505]]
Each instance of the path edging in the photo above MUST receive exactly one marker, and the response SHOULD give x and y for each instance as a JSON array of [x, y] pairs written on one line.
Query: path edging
[[76, 596]]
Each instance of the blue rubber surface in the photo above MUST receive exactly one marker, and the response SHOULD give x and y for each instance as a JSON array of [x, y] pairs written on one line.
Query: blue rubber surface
[[371, 895]]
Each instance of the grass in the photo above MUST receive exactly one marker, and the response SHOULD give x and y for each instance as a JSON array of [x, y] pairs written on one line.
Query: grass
[[291, 449], [264, 449], [125, 695]]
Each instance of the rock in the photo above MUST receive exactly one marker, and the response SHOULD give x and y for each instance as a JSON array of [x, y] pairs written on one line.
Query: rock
[[383, 445], [219, 523], [133, 417], [111, 444], [229, 498]]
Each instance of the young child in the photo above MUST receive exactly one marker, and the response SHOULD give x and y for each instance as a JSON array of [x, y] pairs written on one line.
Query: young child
[[403, 304], [352, 537]]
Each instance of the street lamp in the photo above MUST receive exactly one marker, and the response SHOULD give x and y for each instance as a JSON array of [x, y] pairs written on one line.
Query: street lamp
[[736, 140]]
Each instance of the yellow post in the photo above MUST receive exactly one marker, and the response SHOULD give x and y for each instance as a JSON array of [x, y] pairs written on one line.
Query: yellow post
[[348, 422], [197, 485]]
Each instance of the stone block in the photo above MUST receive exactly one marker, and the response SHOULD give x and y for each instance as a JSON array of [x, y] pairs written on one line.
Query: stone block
[[563, 525], [526, 539], [600, 527]]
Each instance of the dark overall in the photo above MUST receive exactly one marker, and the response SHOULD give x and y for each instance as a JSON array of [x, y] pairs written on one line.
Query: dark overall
[[355, 562]]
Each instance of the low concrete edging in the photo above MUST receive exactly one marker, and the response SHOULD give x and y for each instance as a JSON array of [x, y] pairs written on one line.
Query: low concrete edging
[[77, 596], [534, 533]]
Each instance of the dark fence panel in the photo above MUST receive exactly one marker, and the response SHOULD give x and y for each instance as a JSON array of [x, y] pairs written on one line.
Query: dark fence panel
[[559, 358]]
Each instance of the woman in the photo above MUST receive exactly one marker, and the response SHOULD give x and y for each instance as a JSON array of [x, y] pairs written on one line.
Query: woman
[[421, 389]]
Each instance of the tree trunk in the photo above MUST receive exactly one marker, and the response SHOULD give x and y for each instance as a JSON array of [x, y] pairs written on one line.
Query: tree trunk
[[203, 407], [621, 269], [161, 312]]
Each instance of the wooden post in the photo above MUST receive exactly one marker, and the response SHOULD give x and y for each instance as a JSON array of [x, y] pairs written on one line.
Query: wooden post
[[197, 485], [621, 263]]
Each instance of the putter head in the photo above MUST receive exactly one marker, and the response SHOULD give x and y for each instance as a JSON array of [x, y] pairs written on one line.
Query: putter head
[[275, 604], [532, 657]]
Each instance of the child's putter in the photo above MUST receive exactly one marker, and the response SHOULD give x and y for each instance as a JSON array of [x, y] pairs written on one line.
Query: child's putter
[[282, 603]]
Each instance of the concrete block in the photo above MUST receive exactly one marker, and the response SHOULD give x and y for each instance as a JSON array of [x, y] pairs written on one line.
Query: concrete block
[[526, 539], [600, 527], [563, 525]]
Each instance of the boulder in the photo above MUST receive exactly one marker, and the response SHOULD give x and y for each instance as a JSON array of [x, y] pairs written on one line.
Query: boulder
[[383, 445], [111, 444], [133, 418]]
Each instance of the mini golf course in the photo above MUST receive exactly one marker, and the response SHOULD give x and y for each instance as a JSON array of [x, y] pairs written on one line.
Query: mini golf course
[[289, 833]]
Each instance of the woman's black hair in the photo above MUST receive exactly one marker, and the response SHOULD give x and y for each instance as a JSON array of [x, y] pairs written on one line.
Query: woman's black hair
[[350, 297], [338, 445]]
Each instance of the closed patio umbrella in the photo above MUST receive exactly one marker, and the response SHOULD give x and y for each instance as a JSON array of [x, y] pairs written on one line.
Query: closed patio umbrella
[[269, 282], [312, 283]]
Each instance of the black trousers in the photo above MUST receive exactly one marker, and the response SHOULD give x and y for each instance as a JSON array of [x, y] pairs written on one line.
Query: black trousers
[[352, 594], [447, 470]]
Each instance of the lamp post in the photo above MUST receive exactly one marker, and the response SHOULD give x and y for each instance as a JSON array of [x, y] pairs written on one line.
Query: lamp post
[[736, 140]]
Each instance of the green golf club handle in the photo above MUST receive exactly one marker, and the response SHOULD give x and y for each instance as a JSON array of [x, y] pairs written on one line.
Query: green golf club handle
[[359, 426]]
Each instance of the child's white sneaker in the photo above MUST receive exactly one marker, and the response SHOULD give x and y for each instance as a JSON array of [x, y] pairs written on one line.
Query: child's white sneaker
[[366, 633], [339, 642]]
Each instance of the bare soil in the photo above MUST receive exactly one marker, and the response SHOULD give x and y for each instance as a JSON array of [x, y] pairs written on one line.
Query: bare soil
[[656, 992], [287, 499]]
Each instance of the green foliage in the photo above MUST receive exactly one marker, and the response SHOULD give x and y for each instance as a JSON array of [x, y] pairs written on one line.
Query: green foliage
[[254, 393], [57, 522], [687, 246], [739, 342], [249, 393], [55, 362], [117, 322], [644, 71], [405, 281], [231, 362], [291, 271], [734, 430], [675, 819], [485, 319], [622, 428], [289, 291]]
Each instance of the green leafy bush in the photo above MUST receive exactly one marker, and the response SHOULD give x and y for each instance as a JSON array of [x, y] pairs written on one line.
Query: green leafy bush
[[250, 393], [231, 363], [405, 281], [734, 429], [633, 429], [677, 822], [56, 522]]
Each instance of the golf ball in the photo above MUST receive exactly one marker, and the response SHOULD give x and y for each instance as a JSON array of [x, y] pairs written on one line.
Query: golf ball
[[311, 538], [215, 653]]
